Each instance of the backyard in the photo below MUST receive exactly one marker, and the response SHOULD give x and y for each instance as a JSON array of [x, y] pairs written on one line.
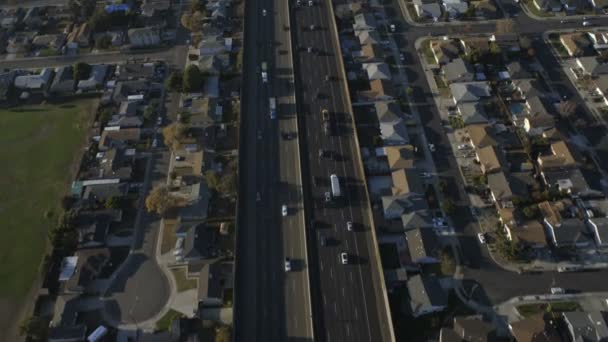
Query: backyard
[[40, 145]]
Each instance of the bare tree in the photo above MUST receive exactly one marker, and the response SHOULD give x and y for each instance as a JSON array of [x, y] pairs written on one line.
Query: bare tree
[[160, 200]]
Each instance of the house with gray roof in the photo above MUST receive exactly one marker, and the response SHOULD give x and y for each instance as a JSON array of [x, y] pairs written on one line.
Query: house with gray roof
[[426, 295], [368, 37], [144, 37], [364, 22], [569, 232], [394, 133], [469, 91], [396, 205], [586, 326], [98, 75], [503, 188], [37, 82], [592, 66], [570, 181], [427, 9], [413, 219], [377, 71], [537, 119], [472, 113], [388, 112], [125, 121], [517, 71], [599, 228], [63, 82], [455, 8], [213, 281], [548, 5], [423, 245], [458, 70]]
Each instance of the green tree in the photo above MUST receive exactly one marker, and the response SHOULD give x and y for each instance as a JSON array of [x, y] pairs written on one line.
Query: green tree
[[448, 206], [531, 211], [104, 42], [105, 115], [81, 71], [113, 202], [227, 184], [34, 328], [193, 79], [175, 81], [212, 179]]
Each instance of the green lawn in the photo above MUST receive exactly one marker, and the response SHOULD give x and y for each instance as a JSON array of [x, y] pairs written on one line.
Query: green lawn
[[164, 322], [527, 310], [39, 146], [182, 282]]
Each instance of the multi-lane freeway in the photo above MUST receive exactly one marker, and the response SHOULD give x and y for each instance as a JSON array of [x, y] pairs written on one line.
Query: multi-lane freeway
[[272, 303], [348, 299]]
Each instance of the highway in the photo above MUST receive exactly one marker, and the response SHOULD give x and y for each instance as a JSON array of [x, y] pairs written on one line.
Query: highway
[[271, 304], [348, 302]]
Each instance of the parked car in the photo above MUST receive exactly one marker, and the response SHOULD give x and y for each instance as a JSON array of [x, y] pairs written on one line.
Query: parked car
[[344, 258], [557, 290], [482, 238], [284, 210], [432, 147], [349, 226], [287, 265]]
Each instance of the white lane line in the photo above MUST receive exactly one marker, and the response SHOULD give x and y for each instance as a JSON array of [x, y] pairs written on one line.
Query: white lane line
[[350, 275], [324, 301], [331, 272], [321, 264], [356, 314], [346, 244], [343, 292], [336, 308], [347, 329]]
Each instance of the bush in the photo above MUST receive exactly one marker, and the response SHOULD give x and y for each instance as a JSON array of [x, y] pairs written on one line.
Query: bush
[[104, 42], [193, 79], [175, 81]]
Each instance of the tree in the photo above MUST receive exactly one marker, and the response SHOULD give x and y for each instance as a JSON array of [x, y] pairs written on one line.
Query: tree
[[175, 81], [34, 328], [184, 117], [104, 115], [223, 334], [174, 134], [227, 184], [531, 211], [160, 200], [448, 206], [103, 42], [212, 179], [504, 26], [193, 21], [193, 79], [113, 202], [567, 108], [81, 71]]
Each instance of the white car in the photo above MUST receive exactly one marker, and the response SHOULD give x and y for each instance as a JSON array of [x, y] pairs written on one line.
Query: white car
[[557, 290], [155, 143], [344, 258], [287, 265], [464, 146], [425, 175], [310, 3], [432, 147], [284, 210], [402, 57], [159, 120], [259, 134], [298, 2], [264, 12], [439, 222], [586, 23], [349, 226], [482, 238], [392, 27]]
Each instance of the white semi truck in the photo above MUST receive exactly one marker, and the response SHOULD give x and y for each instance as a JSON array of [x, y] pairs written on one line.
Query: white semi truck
[[335, 186]]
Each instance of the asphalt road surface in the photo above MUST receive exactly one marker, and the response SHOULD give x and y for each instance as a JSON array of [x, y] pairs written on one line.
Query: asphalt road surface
[[272, 304], [347, 300]]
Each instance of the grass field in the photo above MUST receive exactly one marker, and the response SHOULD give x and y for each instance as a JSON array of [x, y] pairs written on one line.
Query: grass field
[[39, 147]]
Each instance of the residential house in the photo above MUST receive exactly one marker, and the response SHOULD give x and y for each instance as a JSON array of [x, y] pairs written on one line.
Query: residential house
[[570, 181], [399, 157], [114, 163], [98, 75], [396, 205], [534, 328], [364, 22], [394, 133], [599, 4], [473, 113], [426, 295], [377, 71], [531, 233], [80, 36], [479, 45], [211, 86], [380, 90], [537, 119], [371, 53], [63, 82], [405, 181], [564, 231], [37, 82], [599, 41], [417, 219], [548, 5], [155, 8], [93, 226], [197, 242], [445, 51], [49, 41], [560, 158], [427, 9], [576, 44], [214, 280], [469, 91], [491, 159], [210, 47], [517, 71], [118, 137], [74, 333], [599, 228], [65, 326], [125, 121], [124, 89], [368, 37], [423, 245], [388, 112], [455, 8], [209, 65], [481, 135], [88, 266], [144, 37], [197, 196], [508, 41], [601, 88], [458, 70], [527, 88], [101, 192], [474, 329], [503, 189], [592, 66], [7, 81], [586, 325], [135, 71], [486, 9]]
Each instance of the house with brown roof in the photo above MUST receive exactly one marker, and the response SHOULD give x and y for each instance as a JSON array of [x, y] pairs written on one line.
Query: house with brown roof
[[560, 158], [491, 159], [406, 181], [445, 51], [474, 329], [380, 90], [481, 135], [530, 233], [399, 157], [534, 329], [537, 119], [80, 35], [504, 188], [576, 44], [423, 245], [372, 53]]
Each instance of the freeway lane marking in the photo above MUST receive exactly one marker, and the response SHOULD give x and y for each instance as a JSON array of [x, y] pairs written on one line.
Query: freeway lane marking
[[321, 264], [331, 272], [350, 274], [347, 330]]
